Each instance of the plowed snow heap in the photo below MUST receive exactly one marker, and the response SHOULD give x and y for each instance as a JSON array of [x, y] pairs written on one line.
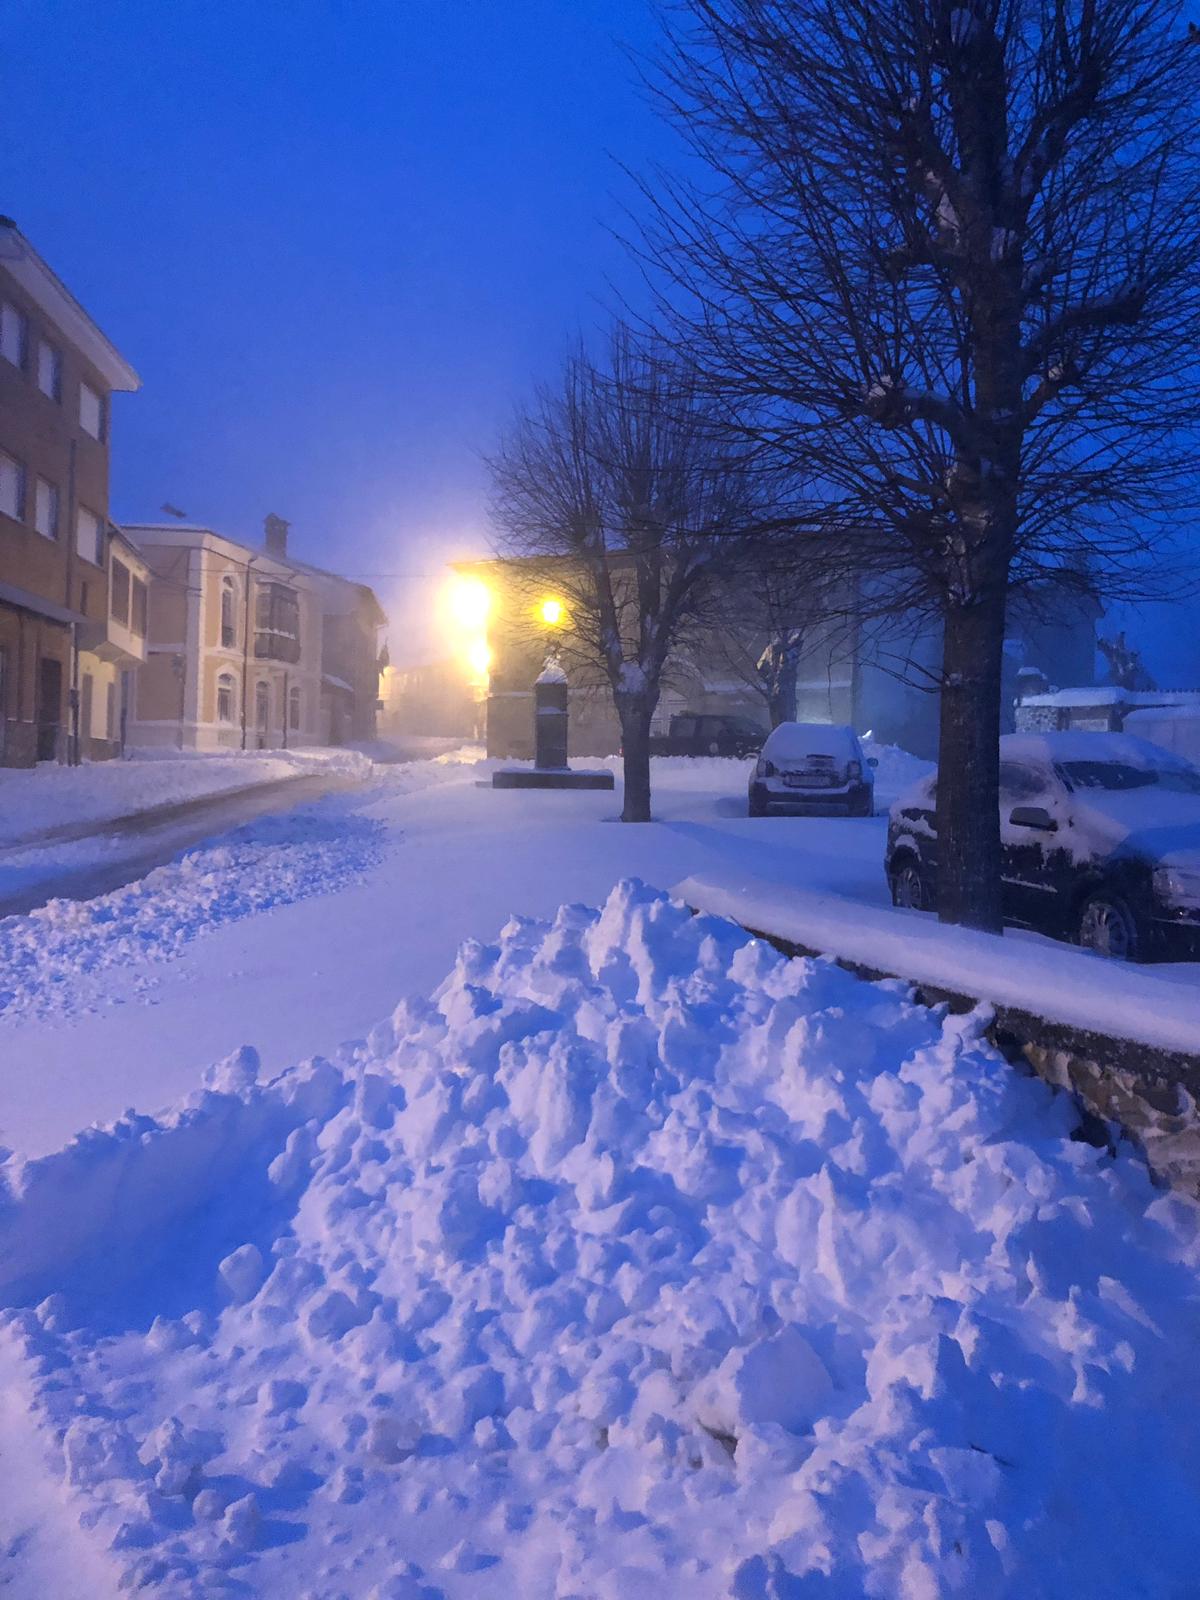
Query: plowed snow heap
[[639, 1261]]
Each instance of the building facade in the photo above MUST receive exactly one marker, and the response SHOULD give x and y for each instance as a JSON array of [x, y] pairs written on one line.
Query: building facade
[[64, 658], [234, 652], [250, 649]]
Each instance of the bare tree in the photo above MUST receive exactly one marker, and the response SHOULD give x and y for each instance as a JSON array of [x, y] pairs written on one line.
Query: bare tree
[[618, 486], [943, 261]]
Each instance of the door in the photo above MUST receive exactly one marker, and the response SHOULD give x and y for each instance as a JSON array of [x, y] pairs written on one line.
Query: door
[[262, 713], [49, 707], [1032, 857], [87, 704]]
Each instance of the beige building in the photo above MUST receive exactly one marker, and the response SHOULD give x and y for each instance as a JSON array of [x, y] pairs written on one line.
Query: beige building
[[234, 655]]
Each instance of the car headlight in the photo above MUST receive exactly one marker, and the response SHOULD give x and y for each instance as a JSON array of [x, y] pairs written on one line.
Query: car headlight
[[764, 769], [1178, 886]]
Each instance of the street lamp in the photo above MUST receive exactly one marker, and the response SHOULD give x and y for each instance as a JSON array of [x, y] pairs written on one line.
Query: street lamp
[[552, 612]]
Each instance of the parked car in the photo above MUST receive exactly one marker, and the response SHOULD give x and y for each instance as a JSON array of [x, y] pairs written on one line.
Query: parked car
[[813, 766], [1101, 843], [693, 734]]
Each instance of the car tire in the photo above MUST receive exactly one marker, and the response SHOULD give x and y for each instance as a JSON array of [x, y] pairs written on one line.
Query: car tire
[[1109, 928], [757, 806], [908, 886]]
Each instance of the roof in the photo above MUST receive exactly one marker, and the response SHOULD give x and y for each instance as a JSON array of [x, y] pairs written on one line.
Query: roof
[[1106, 695], [191, 533], [24, 600], [47, 290]]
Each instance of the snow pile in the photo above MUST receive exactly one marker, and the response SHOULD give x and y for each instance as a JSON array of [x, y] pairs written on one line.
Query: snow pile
[[43, 799], [639, 1262], [54, 958], [896, 769]]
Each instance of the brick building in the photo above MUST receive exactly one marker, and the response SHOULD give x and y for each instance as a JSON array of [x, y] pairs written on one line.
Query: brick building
[[64, 658]]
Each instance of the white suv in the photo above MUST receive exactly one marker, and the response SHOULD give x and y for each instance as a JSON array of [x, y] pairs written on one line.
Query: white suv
[[813, 766]]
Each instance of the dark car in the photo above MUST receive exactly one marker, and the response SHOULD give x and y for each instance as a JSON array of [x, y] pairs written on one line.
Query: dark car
[[812, 766], [700, 734], [1100, 835]]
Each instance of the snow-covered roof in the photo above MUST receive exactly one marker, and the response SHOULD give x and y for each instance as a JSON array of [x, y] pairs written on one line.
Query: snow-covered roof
[[795, 740], [1106, 695]]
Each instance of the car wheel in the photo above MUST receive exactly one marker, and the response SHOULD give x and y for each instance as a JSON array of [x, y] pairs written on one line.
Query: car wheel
[[908, 887], [1108, 927]]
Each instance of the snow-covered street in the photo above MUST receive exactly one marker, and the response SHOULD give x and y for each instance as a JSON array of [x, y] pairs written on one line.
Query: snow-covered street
[[308, 929], [627, 1259]]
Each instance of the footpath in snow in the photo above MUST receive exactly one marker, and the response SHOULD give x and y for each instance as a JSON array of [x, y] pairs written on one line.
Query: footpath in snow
[[48, 798], [635, 1262]]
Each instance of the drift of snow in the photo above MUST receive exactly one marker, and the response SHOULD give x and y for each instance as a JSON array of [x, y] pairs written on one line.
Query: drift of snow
[[38, 800], [637, 1262]]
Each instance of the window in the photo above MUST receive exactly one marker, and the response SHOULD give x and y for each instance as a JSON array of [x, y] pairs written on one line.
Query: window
[[110, 712], [91, 411], [228, 613], [89, 538], [1020, 783], [45, 518], [262, 707], [139, 621], [118, 592], [276, 623], [294, 709], [12, 488], [49, 370], [225, 688], [14, 333]]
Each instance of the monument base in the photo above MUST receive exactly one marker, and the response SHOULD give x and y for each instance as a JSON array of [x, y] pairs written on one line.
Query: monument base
[[550, 778]]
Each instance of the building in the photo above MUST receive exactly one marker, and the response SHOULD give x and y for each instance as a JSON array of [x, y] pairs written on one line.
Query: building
[[239, 643], [879, 675], [65, 655]]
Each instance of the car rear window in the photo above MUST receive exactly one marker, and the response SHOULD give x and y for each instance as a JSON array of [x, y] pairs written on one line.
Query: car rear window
[[1120, 775]]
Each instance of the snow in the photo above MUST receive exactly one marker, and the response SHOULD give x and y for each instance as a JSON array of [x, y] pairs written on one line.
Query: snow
[[1052, 980], [796, 741], [635, 1260], [36, 800]]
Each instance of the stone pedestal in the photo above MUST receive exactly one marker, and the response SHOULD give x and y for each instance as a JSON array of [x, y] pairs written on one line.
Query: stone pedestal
[[550, 722]]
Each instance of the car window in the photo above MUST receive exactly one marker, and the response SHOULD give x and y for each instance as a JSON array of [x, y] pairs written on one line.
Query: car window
[[1021, 783], [1120, 775]]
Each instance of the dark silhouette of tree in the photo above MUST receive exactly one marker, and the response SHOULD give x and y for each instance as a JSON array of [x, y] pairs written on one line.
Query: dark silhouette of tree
[[941, 260], [619, 489]]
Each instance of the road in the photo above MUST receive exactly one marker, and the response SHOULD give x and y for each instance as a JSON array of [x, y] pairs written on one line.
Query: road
[[74, 864]]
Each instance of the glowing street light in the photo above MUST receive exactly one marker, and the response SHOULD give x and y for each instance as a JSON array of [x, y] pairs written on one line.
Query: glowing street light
[[552, 613], [470, 602], [479, 658]]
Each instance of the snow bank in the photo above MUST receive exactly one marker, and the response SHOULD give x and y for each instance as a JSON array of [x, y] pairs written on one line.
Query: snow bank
[[638, 1262], [53, 959], [37, 800], [1052, 980], [896, 770]]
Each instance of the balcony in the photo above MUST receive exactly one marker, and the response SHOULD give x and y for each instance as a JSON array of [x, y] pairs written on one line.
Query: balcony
[[276, 623], [121, 638]]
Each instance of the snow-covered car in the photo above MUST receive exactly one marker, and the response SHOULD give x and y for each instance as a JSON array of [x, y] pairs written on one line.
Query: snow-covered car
[[1101, 843], [814, 766]]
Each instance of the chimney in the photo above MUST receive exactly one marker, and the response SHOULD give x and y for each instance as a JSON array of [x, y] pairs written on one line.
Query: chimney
[[275, 532]]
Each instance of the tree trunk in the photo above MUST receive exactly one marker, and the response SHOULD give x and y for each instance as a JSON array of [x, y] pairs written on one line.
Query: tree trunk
[[783, 701], [635, 718], [968, 812]]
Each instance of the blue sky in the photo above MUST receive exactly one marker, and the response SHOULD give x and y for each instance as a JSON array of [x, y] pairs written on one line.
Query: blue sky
[[336, 240]]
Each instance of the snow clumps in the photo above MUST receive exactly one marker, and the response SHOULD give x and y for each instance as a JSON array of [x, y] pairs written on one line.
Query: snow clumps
[[639, 1261]]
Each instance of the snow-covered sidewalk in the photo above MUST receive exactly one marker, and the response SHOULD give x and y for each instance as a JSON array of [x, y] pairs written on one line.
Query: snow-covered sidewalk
[[57, 801], [636, 1261]]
